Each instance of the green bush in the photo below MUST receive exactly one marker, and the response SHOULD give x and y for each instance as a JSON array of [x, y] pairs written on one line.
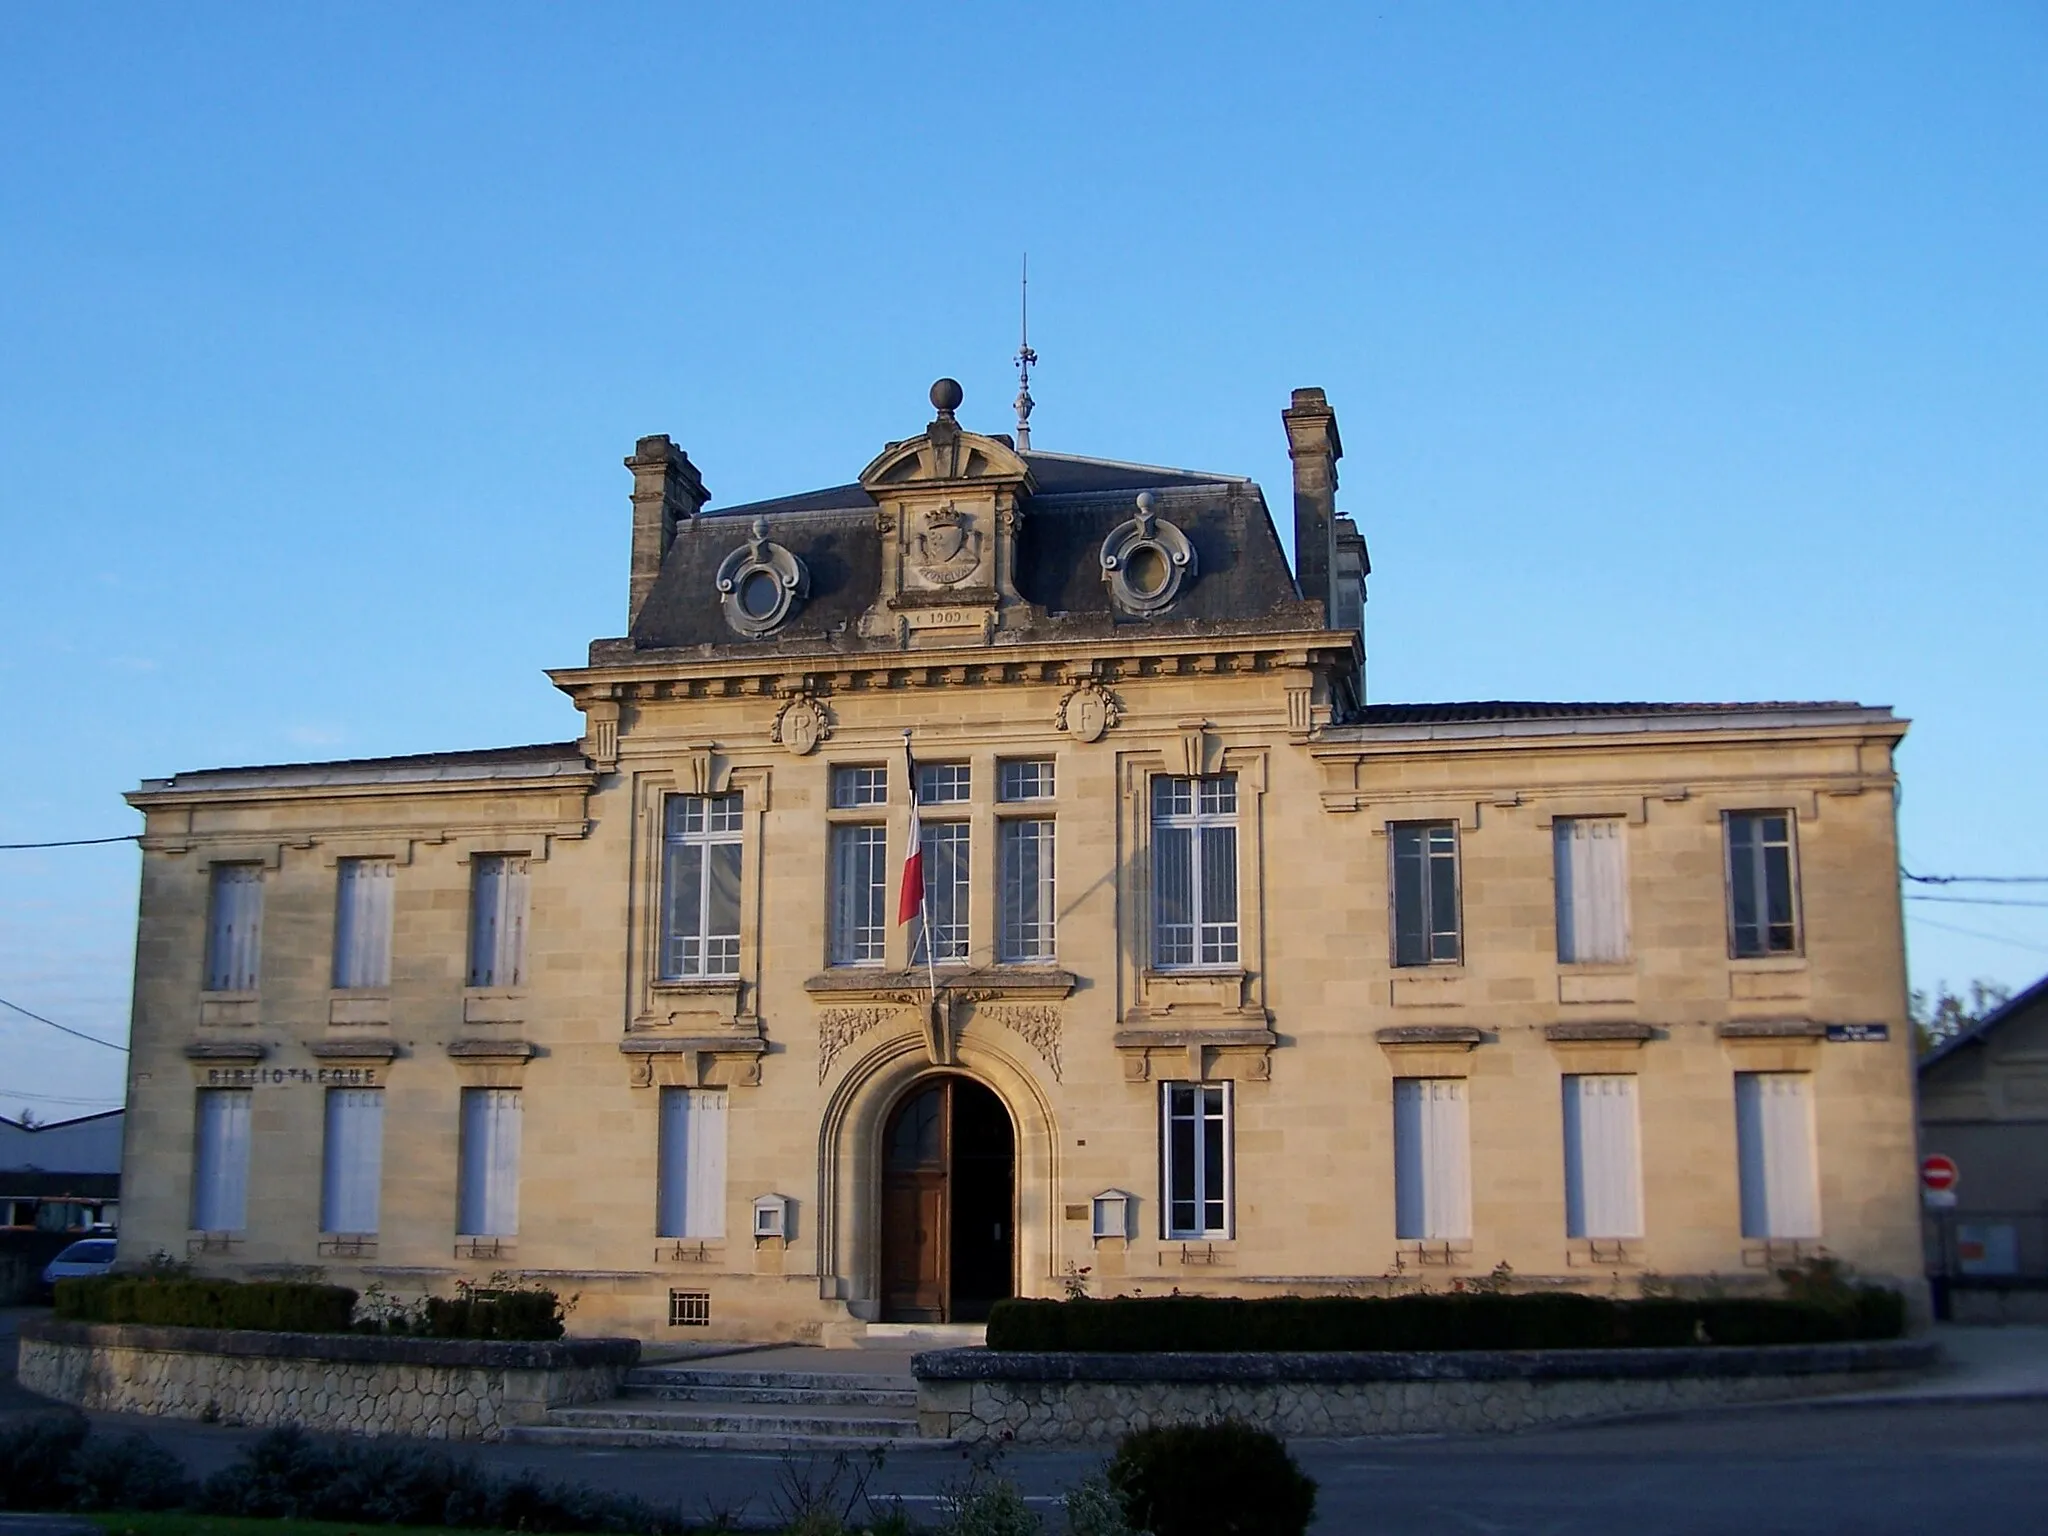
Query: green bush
[[277, 1306], [488, 1314], [35, 1455], [1219, 1479], [1459, 1321]]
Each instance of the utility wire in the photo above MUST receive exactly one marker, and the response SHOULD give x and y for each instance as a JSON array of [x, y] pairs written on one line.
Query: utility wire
[[1972, 879], [1978, 901], [62, 1028], [73, 842], [1976, 933]]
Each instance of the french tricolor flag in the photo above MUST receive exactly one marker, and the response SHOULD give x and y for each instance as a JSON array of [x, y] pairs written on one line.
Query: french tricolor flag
[[910, 901]]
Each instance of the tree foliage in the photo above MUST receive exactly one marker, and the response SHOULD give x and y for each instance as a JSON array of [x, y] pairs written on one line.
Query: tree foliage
[[1939, 1018]]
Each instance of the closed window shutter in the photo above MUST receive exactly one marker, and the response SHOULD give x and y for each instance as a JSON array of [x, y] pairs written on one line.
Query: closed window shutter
[[1774, 1145], [362, 922], [234, 927], [1432, 1174], [497, 955], [489, 1199], [354, 1163], [1602, 1157], [220, 1173], [692, 1182], [1592, 889]]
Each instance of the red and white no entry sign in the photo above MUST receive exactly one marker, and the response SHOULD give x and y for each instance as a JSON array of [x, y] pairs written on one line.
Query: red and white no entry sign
[[1938, 1172]]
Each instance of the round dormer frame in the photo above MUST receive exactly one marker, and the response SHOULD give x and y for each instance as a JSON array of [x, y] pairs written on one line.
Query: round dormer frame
[[760, 584], [1147, 561]]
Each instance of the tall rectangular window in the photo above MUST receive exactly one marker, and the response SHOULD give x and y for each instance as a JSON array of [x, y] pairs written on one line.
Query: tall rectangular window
[[1027, 890], [234, 927], [362, 921], [947, 885], [220, 1160], [497, 922], [1774, 1149], [1592, 889], [1763, 900], [690, 1188], [352, 1167], [1426, 893], [1194, 872], [860, 887], [1432, 1171], [700, 887], [487, 1201], [1603, 1174], [1195, 1153]]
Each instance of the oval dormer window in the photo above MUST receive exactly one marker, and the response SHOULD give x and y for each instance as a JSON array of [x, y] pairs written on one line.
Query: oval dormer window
[[1147, 561], [760, 584]]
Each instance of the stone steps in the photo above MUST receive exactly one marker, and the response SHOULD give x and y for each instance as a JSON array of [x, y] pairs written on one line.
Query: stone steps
[[760, 1410]]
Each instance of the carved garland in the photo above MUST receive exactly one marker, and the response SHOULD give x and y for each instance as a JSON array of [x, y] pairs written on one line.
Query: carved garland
[[1088, 710], [840, 1027], [1039, 1025]]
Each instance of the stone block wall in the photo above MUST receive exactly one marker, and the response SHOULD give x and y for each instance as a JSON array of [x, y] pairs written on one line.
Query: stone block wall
[[434, 1389], [1046, 1398]]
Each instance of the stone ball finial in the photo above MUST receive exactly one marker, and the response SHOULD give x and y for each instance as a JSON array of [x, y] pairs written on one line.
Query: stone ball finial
[[947, 395], [1146, 501]]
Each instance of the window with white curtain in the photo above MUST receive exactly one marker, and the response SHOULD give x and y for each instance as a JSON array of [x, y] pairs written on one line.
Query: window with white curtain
[[1026, 850], [1426, 928], [690, 1187], [1195, 1158], [234, 927], [700, 880], [220, 1160], [1592, 889], [1432, 1171], [1194, 872], [497, 922], [1774, 1150], [352, 1166], [487, 1203], [1763, 890], [1603, 1174], [362, 921]]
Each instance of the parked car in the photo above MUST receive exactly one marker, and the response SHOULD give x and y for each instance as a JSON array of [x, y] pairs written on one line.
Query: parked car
[[87, 1256]]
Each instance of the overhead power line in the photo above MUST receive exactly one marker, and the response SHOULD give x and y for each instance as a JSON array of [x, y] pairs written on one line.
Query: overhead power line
[[62, 1028], [1907, 874], [1977, 933], [73, 842], [1978, 901]]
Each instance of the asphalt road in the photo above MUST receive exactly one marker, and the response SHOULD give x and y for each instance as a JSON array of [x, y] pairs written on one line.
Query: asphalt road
[[1980, 1467]]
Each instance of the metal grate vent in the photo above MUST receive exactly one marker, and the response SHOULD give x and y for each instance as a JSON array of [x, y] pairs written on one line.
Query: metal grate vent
[[689, 1309]]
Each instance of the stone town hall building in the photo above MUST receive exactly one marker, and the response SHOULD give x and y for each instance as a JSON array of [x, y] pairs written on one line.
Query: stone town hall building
[[1244, 983]]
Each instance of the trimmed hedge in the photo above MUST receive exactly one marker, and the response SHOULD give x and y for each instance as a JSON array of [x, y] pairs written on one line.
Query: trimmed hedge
[[274, 1306], [483, 1314], [1459, 1321]]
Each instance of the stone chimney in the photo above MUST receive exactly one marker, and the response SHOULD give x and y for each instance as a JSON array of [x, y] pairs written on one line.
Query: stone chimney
[[1313, 444], [666, 490]]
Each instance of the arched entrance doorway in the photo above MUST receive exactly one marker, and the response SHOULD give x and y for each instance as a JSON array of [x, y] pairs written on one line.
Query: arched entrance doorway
[[949, 1184]]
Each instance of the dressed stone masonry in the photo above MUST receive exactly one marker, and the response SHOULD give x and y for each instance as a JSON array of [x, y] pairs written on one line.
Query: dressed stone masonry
[[1038, 1398], [436, 1389]]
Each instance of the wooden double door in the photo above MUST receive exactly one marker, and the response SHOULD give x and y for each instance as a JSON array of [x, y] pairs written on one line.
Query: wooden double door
[[949, 1194]]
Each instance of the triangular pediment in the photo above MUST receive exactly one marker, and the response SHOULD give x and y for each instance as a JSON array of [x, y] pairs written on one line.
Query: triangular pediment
[[947, 458]]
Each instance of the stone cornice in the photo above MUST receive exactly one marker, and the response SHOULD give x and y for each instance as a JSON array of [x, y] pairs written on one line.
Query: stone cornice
[[986, 983]]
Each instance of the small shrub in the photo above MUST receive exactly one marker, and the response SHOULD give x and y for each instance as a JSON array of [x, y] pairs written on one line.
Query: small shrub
[[1218, 1479], [478, 1313], [35, 1455], [987, 1506], [133, 1472], [1093, 1509]]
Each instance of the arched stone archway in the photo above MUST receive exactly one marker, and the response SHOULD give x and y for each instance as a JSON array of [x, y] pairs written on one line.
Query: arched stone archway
[[852, 1171]]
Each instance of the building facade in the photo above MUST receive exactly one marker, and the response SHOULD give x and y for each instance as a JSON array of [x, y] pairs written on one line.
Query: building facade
[[1225, 978]]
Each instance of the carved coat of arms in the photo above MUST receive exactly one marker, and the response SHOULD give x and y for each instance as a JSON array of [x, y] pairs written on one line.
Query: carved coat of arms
[[947, 549]]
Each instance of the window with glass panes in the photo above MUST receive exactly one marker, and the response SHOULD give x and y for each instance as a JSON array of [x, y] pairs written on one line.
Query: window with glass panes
[[700, 879], [1763, 902], [1025, 847], [1194, 871], [1425, 858], [948, 866], [860, 875], [1195, 1158]]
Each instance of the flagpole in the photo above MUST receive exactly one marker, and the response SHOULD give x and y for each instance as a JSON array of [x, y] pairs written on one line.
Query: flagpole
[[924, 908]]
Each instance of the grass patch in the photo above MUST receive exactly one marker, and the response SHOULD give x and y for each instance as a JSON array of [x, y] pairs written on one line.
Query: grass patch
[[177, 1523]]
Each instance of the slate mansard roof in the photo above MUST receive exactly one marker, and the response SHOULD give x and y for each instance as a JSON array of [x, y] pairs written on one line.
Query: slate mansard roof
[[1243, 583]]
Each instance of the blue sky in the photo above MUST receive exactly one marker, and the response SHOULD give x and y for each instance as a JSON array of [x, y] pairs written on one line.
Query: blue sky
[[1680, 353]]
